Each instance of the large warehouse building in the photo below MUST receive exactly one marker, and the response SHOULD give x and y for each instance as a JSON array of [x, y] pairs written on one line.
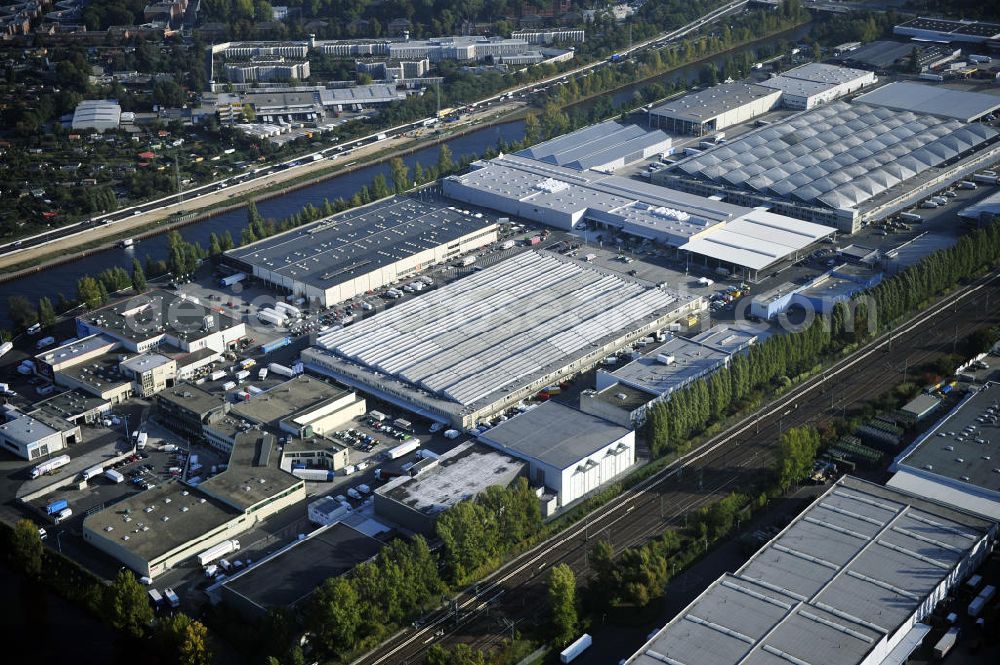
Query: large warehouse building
[[470, 349], [569, 452], [838, 164], [716, 108], [846, 583], [341, 257], [938, 100], [956, 461], [814, 83], [604, 147], [944, 30], [742, 240]]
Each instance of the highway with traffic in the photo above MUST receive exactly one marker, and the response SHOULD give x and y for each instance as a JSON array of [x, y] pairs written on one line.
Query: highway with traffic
[[731, 461]]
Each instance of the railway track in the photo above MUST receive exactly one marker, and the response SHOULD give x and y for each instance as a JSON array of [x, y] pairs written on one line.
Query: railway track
[[732, 460]]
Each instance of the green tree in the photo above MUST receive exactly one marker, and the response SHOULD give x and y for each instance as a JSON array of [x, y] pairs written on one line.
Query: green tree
[[334, 616], [400, 175], [562, 604], [89, 292], [380, 189], [797, 451], [214, 246], [46, 313], [21, 312], [445, 163], [138, 277], [532, 130], [26, 547], [128, 605]]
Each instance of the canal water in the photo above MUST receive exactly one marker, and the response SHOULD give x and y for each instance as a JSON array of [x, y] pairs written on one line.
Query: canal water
[[63, 279]]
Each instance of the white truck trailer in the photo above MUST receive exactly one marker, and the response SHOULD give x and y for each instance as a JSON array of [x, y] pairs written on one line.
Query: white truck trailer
[[218, 551]]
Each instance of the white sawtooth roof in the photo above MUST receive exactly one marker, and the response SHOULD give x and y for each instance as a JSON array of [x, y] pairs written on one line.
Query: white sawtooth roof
[[808, 156], [757, 240], [474, 336]]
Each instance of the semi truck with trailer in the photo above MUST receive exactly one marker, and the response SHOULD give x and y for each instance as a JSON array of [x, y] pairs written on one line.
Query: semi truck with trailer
[[271, 316], [218, 551], [276, 344], [48, 466], [114, 476], [319, 475]]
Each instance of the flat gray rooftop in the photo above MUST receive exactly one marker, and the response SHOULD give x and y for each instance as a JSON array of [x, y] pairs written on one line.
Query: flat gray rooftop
[[138, 522], [848, 571], [977, 28], [145, 362], [340, 248], [26, 430], [972, 432], [460, 474], [70, 404], [292, 575], [554, 434], [192, 398], [936, 100], [155, 313], [496, 327], [723, 337], [707, 104], [100, 372], [597, 145], [81, 347], [880, 54], [287, 399], [688, 360], [623, 396], [253, 474], [823, 73]]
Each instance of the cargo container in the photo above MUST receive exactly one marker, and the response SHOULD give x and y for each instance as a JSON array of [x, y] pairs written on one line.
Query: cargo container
[[55, 505], [967, 184], [403, 449], [242, 375], [49, 466], [262, 374], [313, 474], [945, 644], [229, 385], [280, 370], [276, 344], [217, 374], [982, 600], [229, 280], [270, 316], [93, 472], [254, 390], [972, 584], [984, 179], [377, 416], [534, 240], [568, 654], [403, 424], [114, 476], [45, 341], [218, 551]]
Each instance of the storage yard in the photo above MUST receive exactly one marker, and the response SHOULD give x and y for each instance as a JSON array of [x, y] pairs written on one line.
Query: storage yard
[[474, 347]]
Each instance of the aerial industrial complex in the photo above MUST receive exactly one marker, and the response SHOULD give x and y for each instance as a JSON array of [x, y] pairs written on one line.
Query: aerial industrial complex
[[338, 258], [846, 583]]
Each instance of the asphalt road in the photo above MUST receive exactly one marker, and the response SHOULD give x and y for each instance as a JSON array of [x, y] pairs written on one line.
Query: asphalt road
[[515, 595]]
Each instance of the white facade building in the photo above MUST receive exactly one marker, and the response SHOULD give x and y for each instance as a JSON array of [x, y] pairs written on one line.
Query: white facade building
[[569, 452]]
